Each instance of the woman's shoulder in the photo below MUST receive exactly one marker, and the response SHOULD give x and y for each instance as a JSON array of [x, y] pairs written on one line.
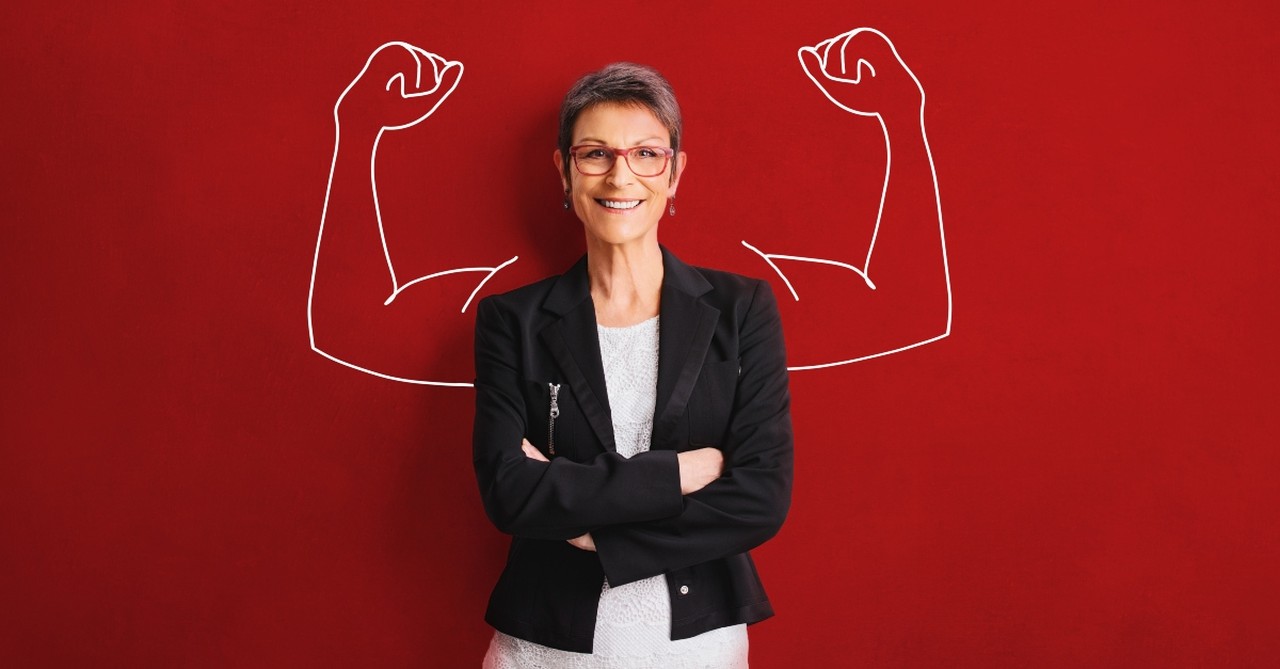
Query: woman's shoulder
[[557, 292], [731, 282], [530, 291], [520, 302], [737, 297], [710, 283]]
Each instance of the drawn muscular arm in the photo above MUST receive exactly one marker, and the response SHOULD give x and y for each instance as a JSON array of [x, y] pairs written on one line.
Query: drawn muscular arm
[[360, 313], [898, 295]]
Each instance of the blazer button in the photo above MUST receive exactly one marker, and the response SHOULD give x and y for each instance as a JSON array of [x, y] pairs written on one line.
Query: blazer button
[[684, 589]]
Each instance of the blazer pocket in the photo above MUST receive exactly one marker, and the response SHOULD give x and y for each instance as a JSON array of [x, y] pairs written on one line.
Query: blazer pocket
[[711, 403], [552, 414]]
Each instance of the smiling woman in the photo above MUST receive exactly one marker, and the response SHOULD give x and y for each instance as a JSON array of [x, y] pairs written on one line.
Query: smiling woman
[[630, 529], [620, 205]]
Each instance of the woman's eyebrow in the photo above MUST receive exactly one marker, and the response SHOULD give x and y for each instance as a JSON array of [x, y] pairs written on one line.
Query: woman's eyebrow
[[647, 141]]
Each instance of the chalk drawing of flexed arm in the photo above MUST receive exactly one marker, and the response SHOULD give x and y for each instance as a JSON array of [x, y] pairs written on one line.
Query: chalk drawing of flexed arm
[[358, 311], [899, 294]]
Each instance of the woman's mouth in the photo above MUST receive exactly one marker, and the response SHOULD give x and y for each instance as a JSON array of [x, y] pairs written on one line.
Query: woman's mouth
[[619, 204]]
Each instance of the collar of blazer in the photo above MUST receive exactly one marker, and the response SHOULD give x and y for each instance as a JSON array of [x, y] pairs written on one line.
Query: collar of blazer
[[686, 327]]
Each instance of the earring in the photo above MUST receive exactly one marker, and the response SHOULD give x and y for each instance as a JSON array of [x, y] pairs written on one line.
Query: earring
[[671, 207], [566, 198]]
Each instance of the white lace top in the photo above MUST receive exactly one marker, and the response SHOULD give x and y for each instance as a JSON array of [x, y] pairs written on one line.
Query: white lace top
[[633, 621]]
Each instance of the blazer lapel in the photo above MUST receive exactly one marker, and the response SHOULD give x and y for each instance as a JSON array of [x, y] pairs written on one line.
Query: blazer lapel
[[685, 332], [574, 344]]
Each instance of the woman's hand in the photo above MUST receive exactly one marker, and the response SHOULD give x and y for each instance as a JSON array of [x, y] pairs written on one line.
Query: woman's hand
[[532, 452], [399, 86], [584, 542], [861, 72], [698, 468]]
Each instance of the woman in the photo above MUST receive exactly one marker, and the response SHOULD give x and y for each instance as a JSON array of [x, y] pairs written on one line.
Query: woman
[[632, 425]]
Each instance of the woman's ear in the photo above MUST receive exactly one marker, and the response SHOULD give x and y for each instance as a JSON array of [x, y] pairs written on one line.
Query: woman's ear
[[681, 159], [559, 160]]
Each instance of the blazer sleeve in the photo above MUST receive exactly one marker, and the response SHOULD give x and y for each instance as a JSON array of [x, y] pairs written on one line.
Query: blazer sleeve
[[562, 499], [747, 504]]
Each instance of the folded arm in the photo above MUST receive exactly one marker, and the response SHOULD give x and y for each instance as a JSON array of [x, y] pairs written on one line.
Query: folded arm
[[560, 499], [747, 504]]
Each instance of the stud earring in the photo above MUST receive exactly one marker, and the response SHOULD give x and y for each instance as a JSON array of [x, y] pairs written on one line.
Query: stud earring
[[671, 207], [566, 198]]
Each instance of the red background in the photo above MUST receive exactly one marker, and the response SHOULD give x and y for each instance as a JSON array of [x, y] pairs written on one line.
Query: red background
[[1083, 474]]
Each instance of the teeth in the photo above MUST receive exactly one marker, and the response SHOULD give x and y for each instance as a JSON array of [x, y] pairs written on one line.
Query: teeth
[[615, 204]]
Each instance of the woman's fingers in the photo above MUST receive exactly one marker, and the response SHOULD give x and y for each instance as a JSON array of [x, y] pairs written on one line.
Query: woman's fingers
[[532, 452], [584, 542], [698, 468]]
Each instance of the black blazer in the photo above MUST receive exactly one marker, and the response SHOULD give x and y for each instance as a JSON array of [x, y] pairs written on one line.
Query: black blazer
[[722, 381]]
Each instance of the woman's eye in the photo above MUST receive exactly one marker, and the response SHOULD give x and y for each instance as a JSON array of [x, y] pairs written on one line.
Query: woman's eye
[[646, 152], [593, 154]]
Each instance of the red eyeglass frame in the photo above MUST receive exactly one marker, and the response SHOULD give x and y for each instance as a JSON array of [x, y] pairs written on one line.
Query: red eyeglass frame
[[667, 153]]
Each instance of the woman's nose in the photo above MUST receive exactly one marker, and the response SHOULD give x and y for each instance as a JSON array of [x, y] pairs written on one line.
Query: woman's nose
[[620, 174]]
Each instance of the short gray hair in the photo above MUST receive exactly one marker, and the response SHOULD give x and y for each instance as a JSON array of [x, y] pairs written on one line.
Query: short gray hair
[[621, 83]]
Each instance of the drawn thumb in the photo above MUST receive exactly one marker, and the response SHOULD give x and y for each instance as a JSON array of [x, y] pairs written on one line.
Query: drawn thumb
[[448, 77], [812, 64]]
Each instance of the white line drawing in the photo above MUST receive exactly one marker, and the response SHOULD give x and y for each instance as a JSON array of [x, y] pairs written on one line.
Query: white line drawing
[[439, 69], [823, 53], [395, 71], [491, 271], [770, 257]]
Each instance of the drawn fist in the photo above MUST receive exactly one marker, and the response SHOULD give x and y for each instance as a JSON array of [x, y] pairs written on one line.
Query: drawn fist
[[861, 72], [399, 86]]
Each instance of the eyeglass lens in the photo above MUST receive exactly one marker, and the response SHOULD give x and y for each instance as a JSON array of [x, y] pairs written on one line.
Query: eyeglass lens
[[598, 160]]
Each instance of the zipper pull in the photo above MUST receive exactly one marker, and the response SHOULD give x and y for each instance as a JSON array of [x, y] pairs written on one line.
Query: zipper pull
[[555, 413]]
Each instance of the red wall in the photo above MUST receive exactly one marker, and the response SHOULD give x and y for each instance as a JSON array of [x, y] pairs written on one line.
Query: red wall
[[1078, 476]]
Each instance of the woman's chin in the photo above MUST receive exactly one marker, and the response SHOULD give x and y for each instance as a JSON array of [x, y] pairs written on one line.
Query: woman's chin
[[617, 233]]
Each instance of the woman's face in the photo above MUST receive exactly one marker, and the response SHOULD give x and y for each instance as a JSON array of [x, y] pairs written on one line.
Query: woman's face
[[619, 207]]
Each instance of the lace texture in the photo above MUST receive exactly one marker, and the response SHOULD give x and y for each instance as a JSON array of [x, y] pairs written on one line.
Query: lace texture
[[633, 621]]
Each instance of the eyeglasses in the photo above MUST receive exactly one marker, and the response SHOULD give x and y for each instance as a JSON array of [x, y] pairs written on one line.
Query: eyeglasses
[[595, 160]]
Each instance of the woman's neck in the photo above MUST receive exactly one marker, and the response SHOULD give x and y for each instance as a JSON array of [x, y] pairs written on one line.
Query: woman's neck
[[626, 283]]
